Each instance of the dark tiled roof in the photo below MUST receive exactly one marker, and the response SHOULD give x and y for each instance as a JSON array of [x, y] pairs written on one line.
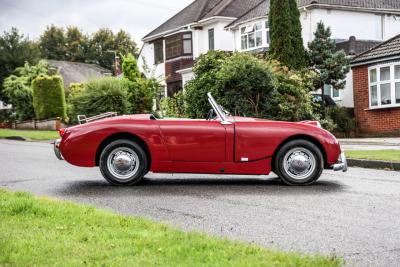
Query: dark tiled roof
[[74, 72], [353, 47], [381, 4], [389, 48], [245, 10]]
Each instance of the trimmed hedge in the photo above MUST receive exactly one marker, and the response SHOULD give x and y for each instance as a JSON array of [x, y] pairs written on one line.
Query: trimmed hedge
[[49, 97]]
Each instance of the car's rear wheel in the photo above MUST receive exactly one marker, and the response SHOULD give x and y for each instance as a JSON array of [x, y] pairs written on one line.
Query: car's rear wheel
[[123, 162], [299, 162]]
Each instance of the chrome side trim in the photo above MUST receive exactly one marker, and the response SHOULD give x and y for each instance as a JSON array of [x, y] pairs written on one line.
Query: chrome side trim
[[342, 164], [57, 149]]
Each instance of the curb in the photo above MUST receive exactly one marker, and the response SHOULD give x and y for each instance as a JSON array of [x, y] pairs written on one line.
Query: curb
[[373, 164], [15, 138]]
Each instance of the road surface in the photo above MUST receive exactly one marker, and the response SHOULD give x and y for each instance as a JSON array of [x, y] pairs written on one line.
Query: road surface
[[355, 215]]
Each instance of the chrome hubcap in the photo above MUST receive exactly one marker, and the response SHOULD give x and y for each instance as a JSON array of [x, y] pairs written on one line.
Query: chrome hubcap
[[299, 163], [123, 163]]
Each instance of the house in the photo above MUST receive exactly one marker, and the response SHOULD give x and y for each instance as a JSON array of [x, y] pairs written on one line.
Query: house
[[76, 72], [376, 84], [236, 25]]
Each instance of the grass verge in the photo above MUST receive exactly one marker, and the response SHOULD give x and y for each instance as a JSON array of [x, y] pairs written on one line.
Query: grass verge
[[46, 232], [30, 134], [385, 155]]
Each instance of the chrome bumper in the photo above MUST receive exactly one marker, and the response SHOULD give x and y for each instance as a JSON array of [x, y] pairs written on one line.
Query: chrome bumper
[[56, 145], [341, 165]]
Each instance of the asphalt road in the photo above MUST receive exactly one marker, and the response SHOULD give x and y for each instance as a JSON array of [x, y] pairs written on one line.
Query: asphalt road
[[355, 215]]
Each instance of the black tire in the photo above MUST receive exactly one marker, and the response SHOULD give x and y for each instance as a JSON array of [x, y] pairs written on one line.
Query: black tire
[[305, 150], [130, 150]]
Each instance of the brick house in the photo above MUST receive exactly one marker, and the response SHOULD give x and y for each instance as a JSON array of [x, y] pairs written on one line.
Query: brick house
[[376, 88]]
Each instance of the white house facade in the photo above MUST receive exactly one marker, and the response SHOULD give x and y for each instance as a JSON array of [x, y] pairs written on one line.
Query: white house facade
[[234, 25]]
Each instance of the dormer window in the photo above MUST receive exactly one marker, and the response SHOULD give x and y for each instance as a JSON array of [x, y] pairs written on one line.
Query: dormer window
[[178, 45]]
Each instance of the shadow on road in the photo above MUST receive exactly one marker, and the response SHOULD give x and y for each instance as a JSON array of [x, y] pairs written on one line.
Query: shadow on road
[[195, 186]]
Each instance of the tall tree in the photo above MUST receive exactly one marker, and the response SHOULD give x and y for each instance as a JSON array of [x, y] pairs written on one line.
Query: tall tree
[[15, 50], [76, 44], [285, 32], [102, 48], [332, 65], [124, 44], [52, 43]]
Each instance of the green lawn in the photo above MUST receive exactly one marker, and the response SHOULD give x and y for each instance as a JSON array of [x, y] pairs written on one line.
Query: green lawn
[[47, 232], [30, 134], [386, 155]]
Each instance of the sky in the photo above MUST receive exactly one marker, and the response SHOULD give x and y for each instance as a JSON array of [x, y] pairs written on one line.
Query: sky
[[138, 17]]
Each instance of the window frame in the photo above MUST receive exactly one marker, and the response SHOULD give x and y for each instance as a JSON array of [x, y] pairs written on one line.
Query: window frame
[[181, 39], [162, 59], [211, 41], [392, 81], [245, 32]]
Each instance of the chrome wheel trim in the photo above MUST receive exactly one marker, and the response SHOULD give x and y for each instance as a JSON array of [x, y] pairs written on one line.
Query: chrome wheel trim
[[123, 163], [299, 163]]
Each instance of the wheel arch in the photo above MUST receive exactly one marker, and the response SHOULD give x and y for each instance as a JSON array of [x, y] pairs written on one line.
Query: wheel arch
[[123, 135], [300, 137]]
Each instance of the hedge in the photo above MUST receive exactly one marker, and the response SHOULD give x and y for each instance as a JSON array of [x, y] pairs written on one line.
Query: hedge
[[49, 97]]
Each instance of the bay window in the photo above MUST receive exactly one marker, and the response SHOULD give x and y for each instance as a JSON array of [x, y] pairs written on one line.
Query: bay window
[[384, 85], [178, 45], [254, 36]]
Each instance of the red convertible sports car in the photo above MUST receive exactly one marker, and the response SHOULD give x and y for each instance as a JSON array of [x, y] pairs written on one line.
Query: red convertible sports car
[[127, 147]]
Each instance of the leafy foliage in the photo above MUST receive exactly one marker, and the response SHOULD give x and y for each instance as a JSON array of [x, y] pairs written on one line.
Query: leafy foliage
[[343, 118], [174, 107], [332, 65], [99, 96], [141, 90], [72, 45], [205, 70], [285, 31], [247, 85], [18, 90], [49, 97], [15, 51]]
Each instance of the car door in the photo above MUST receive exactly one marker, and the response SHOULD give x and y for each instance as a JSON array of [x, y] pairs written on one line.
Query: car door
[[194, 140]]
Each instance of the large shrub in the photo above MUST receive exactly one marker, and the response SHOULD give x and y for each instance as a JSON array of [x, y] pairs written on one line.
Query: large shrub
[[205, 70], [18, 90], [100, 96], [49, 97], [174, 107], [343, 118], [250, 86], [141, 90]]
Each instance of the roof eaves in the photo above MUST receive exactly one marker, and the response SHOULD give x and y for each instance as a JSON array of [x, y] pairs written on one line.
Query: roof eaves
[[344, 7], [374, 48]]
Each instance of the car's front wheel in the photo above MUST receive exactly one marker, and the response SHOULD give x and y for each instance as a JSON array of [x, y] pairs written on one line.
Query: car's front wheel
[[123, 162], [299, 162]]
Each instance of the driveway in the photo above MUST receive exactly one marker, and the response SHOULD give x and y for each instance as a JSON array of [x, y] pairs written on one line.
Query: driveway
[[354, 215]]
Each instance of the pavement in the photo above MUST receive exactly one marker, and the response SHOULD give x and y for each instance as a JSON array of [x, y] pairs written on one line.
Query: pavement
[[354, 215], [370, 143]]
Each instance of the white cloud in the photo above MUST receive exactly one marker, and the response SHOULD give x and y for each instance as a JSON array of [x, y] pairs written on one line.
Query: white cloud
[[138, 17]]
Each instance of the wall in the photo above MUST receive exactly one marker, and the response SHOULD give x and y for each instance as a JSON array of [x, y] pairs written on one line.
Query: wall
[[147, 53], [51, 124], [371, 121], [363, 25]]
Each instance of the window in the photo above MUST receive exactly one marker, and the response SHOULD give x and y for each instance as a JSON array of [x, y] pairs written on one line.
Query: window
[[384, 85], [178, 45], [211, 39], [159, 52], [330, 91], [252, 36]]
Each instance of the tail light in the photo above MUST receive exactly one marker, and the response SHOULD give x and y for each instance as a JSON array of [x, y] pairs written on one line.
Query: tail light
[[62, 132]]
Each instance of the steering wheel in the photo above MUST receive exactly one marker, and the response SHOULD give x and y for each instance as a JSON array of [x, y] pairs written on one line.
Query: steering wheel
[[210, 115]]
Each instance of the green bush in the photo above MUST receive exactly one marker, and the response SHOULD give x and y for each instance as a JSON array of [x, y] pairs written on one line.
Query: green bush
[[18, 90], [247, 85], [343, 118], [49, 97], [174, 107], [130, 68], [99, 96]]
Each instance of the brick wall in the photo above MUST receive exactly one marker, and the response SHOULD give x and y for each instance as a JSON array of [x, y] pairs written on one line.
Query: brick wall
[[172, 66], [371, 121]]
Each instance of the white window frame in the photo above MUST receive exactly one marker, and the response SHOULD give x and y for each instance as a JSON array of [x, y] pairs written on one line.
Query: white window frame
[[392, 81], [251, 28], [335, 98]]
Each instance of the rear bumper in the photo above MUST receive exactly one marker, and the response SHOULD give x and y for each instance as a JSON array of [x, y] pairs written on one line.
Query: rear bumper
[[57, 151], [341, 165]]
